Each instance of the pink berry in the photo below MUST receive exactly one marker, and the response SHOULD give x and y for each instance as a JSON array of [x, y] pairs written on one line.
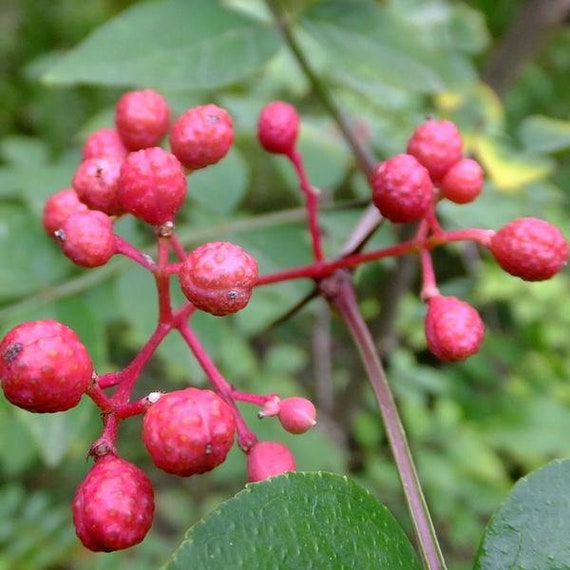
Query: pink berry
[[58, 207], [218, 277], [188, 431], [44, 367], [152, 185], [401, 189], [202, 136], [95, 182], [454, 330], [437, 145], [87, 238], [530, 248], [268, 458], [104, 142], [142, 118], [113, 507], [278, 127], [297, 415], [463, 182]]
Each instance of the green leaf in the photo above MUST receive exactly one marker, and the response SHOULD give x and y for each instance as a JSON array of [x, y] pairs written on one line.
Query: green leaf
[[544, 134], [297, 521], [29, 260], [170, 44], [531, 529]]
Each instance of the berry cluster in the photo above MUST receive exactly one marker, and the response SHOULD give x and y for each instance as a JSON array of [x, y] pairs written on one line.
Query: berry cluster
[[407, 187], [127, 170]]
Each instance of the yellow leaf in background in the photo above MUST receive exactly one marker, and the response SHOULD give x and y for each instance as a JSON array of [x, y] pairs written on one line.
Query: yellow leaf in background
[[508, 168]]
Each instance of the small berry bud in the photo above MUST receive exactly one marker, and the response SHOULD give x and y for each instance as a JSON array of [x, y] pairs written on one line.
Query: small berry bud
[[530, 248], [152, 185], [44, 367], [437, 145], [58, 207], [463, 182], [278, 127], [95, 182], [454, 330], [218, 277], [142, 118], [104, 142], [87, 238], [188, 432], [113, 507], [297, 415], [268, 458], [401, 189], [202, 136]]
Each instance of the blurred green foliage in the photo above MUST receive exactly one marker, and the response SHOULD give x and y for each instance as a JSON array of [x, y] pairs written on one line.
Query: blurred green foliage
[[475, 427]]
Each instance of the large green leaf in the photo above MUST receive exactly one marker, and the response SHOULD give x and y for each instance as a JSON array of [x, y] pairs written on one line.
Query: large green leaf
[[169, 45], [298, 521], [531, 529]]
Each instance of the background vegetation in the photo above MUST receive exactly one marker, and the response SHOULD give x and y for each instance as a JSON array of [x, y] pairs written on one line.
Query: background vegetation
[[475, 427]]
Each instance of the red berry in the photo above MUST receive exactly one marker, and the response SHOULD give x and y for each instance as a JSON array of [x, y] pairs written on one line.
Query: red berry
[[278, 127], [530, 248], [188, 431], [463, 182], [152, 185], [95, 182], [202, 136], [454, 330], [437, 145], [113, 507], [104, 142], [44, 367], [87, 238], [142, 118], [58, 207], [268, 458], [401, 189], [297, 415], [218, 277]]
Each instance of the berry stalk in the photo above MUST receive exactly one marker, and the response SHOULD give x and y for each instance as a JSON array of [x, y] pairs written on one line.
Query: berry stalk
[[340, 292]]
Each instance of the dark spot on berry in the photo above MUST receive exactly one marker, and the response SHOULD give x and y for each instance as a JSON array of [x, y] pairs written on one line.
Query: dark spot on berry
[[11, 352], [213, 118], [232, 295], [59, 234]]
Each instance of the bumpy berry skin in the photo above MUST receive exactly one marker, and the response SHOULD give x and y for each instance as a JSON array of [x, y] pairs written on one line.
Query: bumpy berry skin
[[44, 367], [95, 181], [463, 182], [113, 507], [268, 458], [87, 238], [188, 432], [278, 127], [454, 330], [297, 415], [152, 185], [530, 248], [142, 118], [218, 277], [104, 142], [58, 207], [437, 145], [202, 136], [401, 189]]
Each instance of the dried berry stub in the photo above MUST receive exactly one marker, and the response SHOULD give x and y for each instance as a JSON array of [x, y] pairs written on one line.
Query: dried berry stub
[[218, 277]]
